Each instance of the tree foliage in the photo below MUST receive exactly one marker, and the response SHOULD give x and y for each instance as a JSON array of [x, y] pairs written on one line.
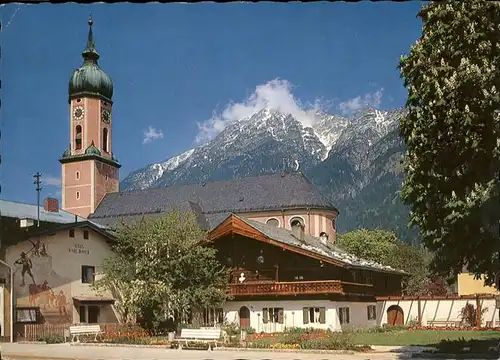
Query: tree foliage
[[384, 247], [452, 134], [160, 270]]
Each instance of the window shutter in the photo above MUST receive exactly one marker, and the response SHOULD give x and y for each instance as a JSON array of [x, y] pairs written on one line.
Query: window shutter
[[265, 315], [368, 311], [305, 315], [322, 315], [347, 316], [341, 315], [280, 316]]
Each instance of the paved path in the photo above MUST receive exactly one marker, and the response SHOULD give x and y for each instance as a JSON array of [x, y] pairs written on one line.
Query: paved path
[[67, 352]]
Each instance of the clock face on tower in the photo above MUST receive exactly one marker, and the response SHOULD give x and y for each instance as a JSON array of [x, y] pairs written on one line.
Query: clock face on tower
[[78, 113], [105, 116]]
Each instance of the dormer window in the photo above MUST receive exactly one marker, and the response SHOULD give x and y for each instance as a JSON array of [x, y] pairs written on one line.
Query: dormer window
[[273, 222], [298, 227]]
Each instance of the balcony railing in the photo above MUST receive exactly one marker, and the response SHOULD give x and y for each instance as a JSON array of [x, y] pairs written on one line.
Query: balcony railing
[[300, 287]]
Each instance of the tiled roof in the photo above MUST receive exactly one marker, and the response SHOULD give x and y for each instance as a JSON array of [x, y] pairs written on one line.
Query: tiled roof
[[19, 210], [104, 231], [315, 245], [259, 193]]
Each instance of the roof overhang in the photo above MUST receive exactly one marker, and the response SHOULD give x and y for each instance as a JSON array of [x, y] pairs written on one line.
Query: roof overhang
[[235, 226], [93, 300], [108, 235]]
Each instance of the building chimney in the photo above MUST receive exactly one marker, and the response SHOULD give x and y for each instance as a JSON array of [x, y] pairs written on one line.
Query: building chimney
[[298, 231], [51, 205]]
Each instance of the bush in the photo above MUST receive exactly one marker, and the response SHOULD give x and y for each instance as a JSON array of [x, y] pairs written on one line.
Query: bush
[[457, 346], [52, 339]]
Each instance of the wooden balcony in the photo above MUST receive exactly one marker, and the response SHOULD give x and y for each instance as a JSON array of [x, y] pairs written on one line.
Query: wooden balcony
[[300, 288]]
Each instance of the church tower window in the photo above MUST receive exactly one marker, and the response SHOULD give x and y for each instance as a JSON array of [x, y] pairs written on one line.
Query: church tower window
[[78, 137], [105, 139]]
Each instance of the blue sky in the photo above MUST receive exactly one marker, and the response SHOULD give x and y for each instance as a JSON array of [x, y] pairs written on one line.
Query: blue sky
[[176, 67]]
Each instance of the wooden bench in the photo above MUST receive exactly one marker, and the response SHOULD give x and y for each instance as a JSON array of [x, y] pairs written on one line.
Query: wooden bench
[[202, 335], [438, 323], [76, 331]]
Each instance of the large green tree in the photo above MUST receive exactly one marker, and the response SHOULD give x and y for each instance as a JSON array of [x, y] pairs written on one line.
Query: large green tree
[[384, 247], [452, 134], [160, 269]]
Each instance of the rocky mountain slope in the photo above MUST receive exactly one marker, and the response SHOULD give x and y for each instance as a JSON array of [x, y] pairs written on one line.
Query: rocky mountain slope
[[353, 160]]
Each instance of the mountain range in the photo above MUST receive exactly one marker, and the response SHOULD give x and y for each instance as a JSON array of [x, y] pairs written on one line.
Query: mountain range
[[354, 160]]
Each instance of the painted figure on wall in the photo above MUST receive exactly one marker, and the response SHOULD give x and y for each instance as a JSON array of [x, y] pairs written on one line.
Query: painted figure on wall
[[61, 305], [26, 263], [50, 291], [39, 248]]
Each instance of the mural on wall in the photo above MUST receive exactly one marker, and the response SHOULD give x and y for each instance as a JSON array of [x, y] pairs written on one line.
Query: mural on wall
[[40, 286]]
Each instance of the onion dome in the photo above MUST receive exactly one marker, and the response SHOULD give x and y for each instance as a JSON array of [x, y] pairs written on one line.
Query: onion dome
[[92, 150], [90, 79]]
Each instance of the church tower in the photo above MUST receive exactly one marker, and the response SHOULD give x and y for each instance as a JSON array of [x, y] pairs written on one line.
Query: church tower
[[89, 168]]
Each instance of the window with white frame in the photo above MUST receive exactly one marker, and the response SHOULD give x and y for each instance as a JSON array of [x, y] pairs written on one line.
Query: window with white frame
[[88, 274], [273, 222], [344, 315], [314, 315], [371, 311], [89, 314], [27, 315], [273, 315]]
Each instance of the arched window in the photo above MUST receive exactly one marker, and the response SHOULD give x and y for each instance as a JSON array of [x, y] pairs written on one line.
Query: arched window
[[78, 137], [105, 139], [323, 237], [273, 222], [298, 227]]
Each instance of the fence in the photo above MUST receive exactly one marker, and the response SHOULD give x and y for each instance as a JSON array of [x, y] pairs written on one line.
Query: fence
[[35, 332]]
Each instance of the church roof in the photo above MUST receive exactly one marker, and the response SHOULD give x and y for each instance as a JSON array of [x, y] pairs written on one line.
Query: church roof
[[214, 201]]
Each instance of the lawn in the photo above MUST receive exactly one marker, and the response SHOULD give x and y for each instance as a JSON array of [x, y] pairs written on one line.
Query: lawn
[[421, 337]]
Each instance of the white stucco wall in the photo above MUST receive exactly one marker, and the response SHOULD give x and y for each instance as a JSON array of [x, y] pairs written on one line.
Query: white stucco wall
[[293, 317], [58, 274], [436, 310]]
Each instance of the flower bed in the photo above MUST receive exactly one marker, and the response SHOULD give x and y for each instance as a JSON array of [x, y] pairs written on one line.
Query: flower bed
[[304, 339]]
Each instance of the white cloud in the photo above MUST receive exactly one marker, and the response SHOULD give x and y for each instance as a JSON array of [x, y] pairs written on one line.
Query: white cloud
[[51, 180], [152, 134], [352, 105], [275, 94]]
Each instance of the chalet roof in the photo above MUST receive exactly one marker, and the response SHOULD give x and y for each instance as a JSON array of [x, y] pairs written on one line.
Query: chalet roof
[[19, 210], [313, 246], [258, 193]]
